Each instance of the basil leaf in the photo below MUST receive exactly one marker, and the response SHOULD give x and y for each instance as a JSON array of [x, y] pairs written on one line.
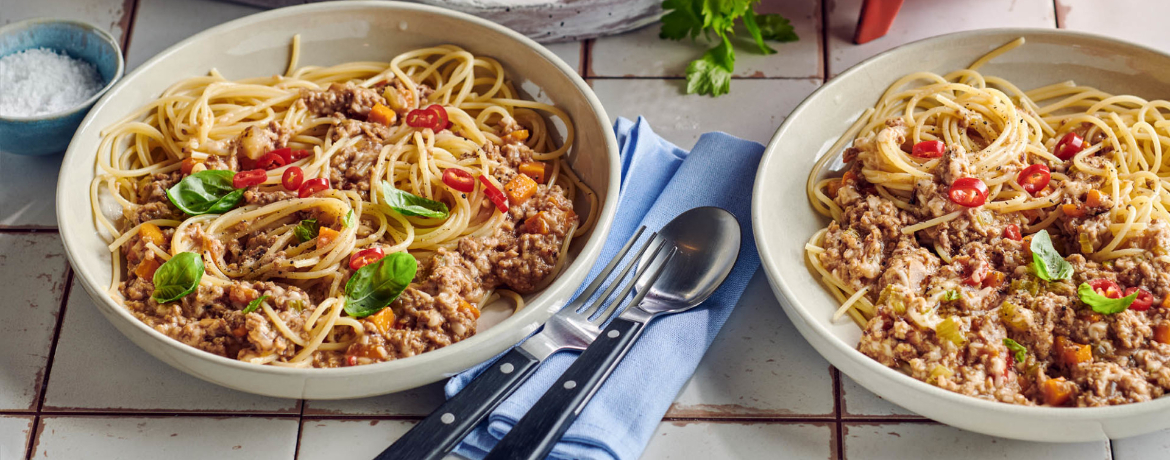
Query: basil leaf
[[254, 305], [374, 286], [1049, 264], [952, 294], [409, 204], [206, 192], [307, 230], [349, 220], [178, 277], [1101, 304], [1015, 347]]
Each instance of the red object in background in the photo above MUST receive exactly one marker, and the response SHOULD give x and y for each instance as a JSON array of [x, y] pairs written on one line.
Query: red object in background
[[876, 18]]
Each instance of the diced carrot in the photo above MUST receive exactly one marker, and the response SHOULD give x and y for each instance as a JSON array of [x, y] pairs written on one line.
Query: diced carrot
[[463, 305], [849, 176], [1056, 393], [1072, 210], [1094, 317], [1093, 200], [325, 236], [533, 169], [145, 270], [382, 115], [1162, 333], [520, 188], [538, 223], [519, 135], [1072, 353], [150, 232], [240, 331], [384, 320], [994, 279], [1166, 302], [834, 187], [188, 165]]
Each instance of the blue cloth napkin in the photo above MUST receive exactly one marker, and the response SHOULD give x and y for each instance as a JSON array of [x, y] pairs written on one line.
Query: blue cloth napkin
[[659, 182]]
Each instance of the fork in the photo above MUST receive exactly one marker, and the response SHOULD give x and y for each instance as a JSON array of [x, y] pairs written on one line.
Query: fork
[[573, 327]]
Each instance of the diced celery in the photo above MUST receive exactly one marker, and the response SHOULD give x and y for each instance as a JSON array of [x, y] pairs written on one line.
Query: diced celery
[[951, 330]]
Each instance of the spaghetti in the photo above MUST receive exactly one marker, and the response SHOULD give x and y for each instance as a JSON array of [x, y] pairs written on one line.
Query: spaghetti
[[938, 248], [296, 188]]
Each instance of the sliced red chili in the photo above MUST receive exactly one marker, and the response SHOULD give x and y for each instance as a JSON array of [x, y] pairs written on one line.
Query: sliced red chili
[[494, 194], [1012, 232], [1034, 178], [272, 160], [1068, 146], [968, 191], [929, 149], [1143, 301], [365, 257], [245, 179], [313, 186], [298, 154], [444, 121], [292, 178], [459, 180], [1106, 287], [433, 117]]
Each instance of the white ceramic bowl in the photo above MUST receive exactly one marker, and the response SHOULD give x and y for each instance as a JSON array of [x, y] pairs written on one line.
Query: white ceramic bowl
[[783, 219], [333, 33]]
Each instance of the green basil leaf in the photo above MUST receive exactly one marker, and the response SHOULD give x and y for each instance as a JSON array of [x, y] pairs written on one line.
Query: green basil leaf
[[952, 294], [1015, 347], [1101, 304], [307, 230], [255, 304], [206, 192], [409, 204], [1049, 264], [374, 286], [178, 277], [349, 220]]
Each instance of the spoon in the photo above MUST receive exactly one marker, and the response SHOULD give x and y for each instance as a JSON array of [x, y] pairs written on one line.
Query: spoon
[[707, 241]]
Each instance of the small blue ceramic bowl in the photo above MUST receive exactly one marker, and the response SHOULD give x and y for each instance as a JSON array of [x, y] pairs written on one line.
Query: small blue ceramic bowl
[[51, 133]]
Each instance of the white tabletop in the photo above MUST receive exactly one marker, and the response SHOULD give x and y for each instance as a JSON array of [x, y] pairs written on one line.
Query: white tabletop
[[72, 387]]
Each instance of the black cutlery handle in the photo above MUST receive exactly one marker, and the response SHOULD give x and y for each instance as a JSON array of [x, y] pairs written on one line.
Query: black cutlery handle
[[436, 435], [538, 431]]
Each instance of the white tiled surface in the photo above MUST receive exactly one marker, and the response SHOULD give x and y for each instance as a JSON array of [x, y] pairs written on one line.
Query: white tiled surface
[[761, 392]]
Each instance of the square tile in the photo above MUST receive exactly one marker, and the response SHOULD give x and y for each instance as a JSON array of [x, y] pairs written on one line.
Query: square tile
[[755, 366], [1117, 19], [418, 402], [641, 53], [741, 441], [28, 198], [327, 439], [15, 432], [570, 52], [920, 19], [930, 440], [1153, 446], [162, 23], [856, 401], [28, 259], [172, 438], [95, 364], [112, 15], [753, 110]]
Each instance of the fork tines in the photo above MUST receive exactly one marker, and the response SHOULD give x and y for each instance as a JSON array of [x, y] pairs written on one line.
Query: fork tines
[[608, 309]]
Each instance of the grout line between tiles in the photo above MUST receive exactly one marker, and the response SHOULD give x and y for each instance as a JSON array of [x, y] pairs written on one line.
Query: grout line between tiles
[[130, 18], [28, 230], [139, 414], [825, 40], [300, 430], [33, 434], [586, 58], [43, 390]]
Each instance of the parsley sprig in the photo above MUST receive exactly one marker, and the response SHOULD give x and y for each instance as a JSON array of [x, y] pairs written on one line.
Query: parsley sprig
[[711, 74]]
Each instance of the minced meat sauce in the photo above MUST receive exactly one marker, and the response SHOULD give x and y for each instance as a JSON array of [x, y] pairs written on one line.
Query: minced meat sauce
[[436, 310], [989, 291]]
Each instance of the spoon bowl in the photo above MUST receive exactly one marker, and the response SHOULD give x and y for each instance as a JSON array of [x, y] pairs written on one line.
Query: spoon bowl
[[707, 240]]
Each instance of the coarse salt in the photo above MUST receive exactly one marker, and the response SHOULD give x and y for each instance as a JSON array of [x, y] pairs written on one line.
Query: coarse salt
[[40, 81]]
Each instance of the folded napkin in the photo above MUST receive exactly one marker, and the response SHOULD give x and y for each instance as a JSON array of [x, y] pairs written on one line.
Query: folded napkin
[[659, 182]]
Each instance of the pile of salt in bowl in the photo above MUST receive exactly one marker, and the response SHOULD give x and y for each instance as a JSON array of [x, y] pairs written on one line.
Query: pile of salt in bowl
[[41, 81]]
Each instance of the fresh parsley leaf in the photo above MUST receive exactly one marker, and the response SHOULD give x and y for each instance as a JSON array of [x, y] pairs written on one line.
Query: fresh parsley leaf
[[749, 22], [712, 73], [1049, 264], [307, 230], [776, 28], [349, 220], [1015, 347], [952, 294], [254, 305], [1101, 304], [682, 20]]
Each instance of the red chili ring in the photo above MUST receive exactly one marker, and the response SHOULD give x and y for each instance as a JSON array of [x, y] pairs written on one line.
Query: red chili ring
[[293, 178], [968, 191], [459, 180], [365, 257], [313, 186], [245, 179], [1034, 178]]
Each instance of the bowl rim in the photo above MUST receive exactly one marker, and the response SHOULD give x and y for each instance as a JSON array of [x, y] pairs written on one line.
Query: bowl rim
[[106, 37], [792, 303], [534, 312]]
